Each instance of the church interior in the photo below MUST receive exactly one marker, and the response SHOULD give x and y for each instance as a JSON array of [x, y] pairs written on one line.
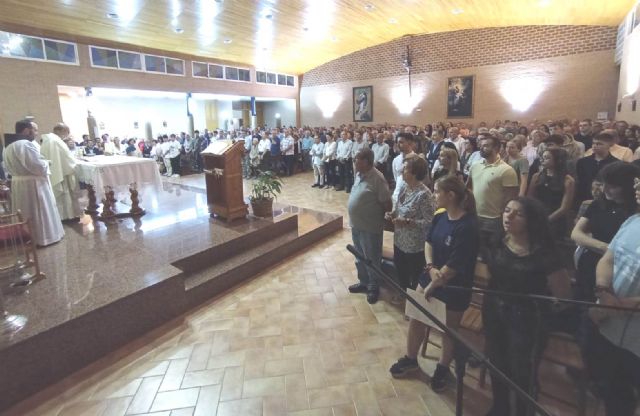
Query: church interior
[[180, 181]]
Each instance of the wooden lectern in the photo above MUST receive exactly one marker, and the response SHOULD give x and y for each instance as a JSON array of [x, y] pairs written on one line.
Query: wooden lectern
[[222, 162]]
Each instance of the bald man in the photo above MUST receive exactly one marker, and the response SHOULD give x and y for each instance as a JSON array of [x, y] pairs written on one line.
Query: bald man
[[62, 165]]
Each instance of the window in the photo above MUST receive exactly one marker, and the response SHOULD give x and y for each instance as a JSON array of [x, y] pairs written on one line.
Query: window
[[278, 79], [216, 71], [154, 63], [130, 60], [200, 70], [174, 66], [231, 73], [13, 45], [104, 57], [244, 75], [60, 51]]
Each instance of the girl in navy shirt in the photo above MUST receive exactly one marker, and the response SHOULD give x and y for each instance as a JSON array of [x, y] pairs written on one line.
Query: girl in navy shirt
[[451, 252]]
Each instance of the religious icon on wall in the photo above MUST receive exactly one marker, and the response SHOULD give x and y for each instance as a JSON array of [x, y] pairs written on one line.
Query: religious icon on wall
[[460, 96], [363, 103]]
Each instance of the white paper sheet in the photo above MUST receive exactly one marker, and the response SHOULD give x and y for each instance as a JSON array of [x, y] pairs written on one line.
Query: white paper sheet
[[435, 306]]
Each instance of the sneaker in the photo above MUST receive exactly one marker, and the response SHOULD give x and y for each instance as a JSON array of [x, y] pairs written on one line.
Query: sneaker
[[440, 378], [403, 367], [175, 175], [357, 288], [315, 185]]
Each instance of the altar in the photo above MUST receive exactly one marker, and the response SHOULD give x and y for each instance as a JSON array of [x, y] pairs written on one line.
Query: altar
[[106, 175]]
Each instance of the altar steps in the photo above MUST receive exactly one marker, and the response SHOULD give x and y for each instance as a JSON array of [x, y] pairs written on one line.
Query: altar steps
[[256, 256]]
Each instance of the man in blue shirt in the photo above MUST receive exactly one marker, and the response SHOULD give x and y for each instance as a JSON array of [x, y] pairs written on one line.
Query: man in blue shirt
[[307, 143], [276, 159]]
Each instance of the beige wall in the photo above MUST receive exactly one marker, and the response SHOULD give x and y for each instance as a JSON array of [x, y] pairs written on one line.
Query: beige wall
[[30, 87], [575, 86], [629, 87]]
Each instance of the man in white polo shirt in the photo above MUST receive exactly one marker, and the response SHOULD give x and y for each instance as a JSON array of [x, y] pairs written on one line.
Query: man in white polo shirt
[[494, 183]]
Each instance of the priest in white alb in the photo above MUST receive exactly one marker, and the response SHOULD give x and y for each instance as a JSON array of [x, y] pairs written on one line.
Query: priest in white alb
[[31, 191], [62, 165]]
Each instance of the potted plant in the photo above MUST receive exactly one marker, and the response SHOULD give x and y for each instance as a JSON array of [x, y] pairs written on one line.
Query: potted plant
[[264, 190]]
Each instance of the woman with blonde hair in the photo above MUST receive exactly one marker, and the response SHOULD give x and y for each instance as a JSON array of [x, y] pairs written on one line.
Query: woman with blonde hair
[[518, 163], [449, 164]]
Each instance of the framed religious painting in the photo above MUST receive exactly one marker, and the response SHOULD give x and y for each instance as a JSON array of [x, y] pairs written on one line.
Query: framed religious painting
[[363, 103], [460, 97]]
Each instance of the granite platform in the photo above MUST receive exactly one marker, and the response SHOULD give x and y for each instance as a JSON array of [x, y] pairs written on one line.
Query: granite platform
[[110, 282]]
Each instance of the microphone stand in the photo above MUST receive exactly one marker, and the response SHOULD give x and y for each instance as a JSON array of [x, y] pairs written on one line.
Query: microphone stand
[[463, 348]]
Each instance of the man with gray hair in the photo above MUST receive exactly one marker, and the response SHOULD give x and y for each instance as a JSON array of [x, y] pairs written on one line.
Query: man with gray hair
[[370, 198]]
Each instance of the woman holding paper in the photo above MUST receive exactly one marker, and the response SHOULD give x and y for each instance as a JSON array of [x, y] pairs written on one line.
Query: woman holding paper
[[451, 252]]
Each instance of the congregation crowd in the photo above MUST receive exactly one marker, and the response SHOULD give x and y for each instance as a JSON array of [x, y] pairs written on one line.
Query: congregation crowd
[[520, 198]]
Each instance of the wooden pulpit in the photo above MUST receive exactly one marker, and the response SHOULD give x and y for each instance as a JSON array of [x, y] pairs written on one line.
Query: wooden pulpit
[[222, 162]]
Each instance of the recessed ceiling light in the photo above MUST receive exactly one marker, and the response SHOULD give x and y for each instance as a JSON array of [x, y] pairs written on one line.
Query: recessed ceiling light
[[457, 11], [228, 41], [265, 49], [179, 30], [393, 20], [112, 15], [306, 29], [334, 39], [544, 3], [268, 16], [369, 7]]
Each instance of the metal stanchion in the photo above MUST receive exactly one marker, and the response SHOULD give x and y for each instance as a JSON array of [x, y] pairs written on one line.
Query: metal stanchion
[[464, 348]]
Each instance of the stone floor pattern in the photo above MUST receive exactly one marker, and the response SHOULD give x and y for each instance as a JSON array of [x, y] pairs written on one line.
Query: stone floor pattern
[[291, 341]]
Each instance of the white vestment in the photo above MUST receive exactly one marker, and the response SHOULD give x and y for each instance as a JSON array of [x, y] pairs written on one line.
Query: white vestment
[[31, 191], [63, 179]]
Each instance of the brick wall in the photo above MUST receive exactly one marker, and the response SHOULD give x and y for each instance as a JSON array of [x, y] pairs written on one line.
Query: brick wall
[[464, 49]]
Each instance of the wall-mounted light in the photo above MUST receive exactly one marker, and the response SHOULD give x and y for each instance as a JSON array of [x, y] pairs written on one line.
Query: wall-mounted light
[[522, 92], [328, 102], [404, 102], [277, 115]]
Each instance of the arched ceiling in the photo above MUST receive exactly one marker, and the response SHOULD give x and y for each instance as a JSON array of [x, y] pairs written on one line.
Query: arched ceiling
[[289, 36]]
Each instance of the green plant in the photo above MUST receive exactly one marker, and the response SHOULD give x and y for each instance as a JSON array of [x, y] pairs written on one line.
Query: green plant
[[266, 186]]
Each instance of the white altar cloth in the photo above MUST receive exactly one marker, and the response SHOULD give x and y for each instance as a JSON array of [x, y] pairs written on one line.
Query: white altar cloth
[[117, 172]]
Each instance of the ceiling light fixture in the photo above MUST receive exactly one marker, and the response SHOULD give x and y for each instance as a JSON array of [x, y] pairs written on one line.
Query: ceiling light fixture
[[306, 29], [112, 15], [457, 11], [228, 41], [544, 3], [334, 39], [268, 16], [369, 7], [179, 30], [393, 21]]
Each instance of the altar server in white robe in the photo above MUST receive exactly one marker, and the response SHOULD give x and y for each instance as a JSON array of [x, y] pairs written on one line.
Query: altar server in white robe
[[62, 165], [31, 191]]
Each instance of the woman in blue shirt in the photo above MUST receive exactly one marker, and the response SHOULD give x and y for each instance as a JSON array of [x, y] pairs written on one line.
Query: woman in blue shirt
[[451, 252]]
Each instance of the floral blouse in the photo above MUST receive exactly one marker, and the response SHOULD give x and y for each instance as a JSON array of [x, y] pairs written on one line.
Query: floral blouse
[[418, 205]]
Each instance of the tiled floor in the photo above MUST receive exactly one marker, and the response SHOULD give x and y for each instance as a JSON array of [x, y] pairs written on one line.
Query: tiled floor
[[292, 341]]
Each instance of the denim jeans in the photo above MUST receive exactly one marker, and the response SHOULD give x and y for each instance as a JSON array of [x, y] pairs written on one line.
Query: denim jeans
[[370, 245]]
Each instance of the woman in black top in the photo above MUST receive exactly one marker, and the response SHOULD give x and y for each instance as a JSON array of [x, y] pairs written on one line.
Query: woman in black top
[[524, 262], [600, 222], [555, 189]]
